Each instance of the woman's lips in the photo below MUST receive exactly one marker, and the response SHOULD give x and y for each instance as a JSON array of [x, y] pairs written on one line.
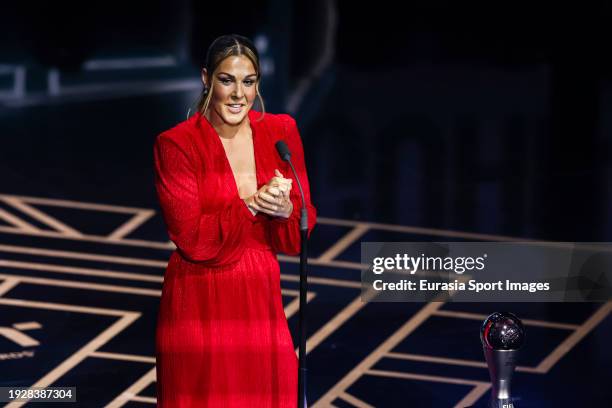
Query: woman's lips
[[234, 108]]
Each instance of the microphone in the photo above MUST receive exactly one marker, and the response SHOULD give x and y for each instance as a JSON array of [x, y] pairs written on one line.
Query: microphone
[[285, 155], [283, 150], [502, 334]]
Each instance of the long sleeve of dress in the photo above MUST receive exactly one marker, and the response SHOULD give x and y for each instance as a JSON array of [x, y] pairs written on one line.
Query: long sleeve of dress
[[285, 232], [212, 238]]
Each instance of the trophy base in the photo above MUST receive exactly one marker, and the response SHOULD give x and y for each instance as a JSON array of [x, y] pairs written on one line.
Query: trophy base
[[502, 403]]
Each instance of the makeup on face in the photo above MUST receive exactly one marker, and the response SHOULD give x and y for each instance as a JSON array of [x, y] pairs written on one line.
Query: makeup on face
[[235, 89]]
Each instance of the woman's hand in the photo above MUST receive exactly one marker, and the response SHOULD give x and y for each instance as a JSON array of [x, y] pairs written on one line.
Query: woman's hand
[[273, 198]]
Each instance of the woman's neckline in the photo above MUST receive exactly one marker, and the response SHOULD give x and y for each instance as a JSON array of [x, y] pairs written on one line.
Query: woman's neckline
[[219, 144]]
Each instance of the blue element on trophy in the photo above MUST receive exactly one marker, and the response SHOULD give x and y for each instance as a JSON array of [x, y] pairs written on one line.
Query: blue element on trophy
[[502, 334]]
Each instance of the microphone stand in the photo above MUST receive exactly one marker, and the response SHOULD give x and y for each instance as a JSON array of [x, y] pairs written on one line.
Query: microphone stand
[[285, 155], [302, 403]]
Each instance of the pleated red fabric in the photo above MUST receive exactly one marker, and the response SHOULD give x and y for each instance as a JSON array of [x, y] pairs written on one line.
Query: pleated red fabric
[[222, 339]]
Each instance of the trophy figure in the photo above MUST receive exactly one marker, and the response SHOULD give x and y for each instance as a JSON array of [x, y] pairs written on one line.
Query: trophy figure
[[502, 335]]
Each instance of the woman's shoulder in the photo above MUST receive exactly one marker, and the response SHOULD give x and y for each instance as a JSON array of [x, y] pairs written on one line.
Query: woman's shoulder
[[274, 122], [272, 117], [180, 133]]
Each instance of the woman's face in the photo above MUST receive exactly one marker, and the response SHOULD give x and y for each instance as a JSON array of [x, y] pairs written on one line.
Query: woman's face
[[234, 88]]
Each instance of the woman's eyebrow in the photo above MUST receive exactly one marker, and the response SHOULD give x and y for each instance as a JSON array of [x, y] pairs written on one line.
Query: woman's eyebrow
[[233, 77]]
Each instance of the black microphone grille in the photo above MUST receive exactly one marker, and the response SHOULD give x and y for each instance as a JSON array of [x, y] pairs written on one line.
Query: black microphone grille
[[283, 150]]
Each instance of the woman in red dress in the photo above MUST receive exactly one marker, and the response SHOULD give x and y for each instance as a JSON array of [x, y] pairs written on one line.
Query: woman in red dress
[[222, 338]]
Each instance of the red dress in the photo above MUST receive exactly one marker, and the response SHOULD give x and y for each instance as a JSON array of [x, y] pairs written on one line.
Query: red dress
[[222, 338]]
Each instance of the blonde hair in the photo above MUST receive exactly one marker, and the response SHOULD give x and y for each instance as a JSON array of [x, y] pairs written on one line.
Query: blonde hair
[[220, 49]]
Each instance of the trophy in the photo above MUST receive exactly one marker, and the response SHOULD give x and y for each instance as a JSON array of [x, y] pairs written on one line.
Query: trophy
[[502, 335]]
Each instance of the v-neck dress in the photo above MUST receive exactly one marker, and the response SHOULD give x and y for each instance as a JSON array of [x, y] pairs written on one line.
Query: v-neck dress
[[222, 338]]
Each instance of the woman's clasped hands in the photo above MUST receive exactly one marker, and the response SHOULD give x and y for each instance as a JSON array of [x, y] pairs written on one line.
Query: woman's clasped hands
[[273, 198]]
